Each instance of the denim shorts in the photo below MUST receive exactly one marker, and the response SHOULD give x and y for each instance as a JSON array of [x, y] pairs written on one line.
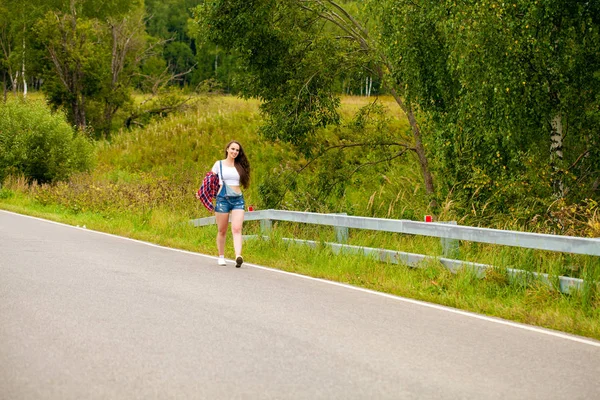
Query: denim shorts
[[226, 203]]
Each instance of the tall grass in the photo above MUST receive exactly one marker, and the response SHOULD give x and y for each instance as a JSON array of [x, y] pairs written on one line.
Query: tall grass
[[144, 185]]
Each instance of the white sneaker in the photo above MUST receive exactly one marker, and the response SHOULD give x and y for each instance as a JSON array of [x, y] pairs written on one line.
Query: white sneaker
[[221, 261]]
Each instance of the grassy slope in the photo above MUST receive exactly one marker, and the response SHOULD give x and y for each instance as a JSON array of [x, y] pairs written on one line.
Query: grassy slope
[[143, 188]]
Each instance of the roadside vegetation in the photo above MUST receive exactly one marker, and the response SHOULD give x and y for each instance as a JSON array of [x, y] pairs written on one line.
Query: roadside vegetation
[[145, 178]]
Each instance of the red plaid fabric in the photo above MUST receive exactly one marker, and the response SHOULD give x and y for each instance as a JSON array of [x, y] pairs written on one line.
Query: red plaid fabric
[[208, 190]]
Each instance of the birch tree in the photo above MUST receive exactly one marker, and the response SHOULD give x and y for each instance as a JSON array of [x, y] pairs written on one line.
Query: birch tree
[[15, 20], [6, 46], [509, 89], [530, 71]]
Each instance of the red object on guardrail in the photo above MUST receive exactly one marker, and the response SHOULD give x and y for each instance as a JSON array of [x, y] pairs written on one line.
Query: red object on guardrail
[[250, 208], [428, 218]]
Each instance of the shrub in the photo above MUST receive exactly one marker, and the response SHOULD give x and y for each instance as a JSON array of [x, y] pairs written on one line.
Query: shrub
[[40, 144]]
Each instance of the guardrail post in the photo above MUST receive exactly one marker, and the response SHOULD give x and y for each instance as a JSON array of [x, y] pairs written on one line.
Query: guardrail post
[[266, 225], [450, 247], [341, 232]]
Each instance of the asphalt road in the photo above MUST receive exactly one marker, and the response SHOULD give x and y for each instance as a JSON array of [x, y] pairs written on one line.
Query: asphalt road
[[85, 315]]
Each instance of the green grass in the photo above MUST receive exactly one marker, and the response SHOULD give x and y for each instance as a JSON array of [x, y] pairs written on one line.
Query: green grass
[[144, 184]]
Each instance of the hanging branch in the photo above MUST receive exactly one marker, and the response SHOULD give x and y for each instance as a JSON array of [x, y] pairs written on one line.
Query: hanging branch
[[293, 176], [387, 159]]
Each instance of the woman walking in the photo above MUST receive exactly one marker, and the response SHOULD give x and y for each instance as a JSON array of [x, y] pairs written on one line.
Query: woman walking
[[234, 173]]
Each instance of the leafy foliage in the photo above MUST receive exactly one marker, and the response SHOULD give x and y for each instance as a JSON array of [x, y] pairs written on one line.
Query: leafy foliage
[[290, 60], [40, 144], [490, 79]]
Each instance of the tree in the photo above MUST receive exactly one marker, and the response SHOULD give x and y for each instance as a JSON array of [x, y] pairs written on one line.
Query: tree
[[92, 53], [74, 49], [6, 45], [179, 57], [293, 52], [542, 72], [14, 23], [510, 92], [216, 69], [168, 21], [128, 49]]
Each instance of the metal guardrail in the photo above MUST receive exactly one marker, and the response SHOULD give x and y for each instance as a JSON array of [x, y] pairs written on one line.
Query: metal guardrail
[[448, 233], [567, 244], [565, 284]]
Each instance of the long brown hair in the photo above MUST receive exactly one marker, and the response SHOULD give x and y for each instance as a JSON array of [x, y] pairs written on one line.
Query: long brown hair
[[241, 164]]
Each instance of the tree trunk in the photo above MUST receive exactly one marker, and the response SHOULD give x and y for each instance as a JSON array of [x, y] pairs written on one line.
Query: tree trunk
[[78, 106], [14, 81], [108, 118], [216, 61], [419, 149], [4, 85], [556, 154], [23, 72], [6, 51]]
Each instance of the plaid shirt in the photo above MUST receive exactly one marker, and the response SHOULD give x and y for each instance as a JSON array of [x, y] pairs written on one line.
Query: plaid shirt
[[208, 190]]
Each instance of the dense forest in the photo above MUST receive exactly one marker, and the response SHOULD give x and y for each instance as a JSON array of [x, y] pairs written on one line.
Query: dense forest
[[502, 99]]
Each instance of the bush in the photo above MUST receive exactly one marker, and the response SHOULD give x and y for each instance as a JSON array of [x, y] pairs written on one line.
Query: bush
[[40, 144]]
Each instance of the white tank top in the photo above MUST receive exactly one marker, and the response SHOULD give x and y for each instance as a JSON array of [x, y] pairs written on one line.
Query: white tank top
[[230, 174]]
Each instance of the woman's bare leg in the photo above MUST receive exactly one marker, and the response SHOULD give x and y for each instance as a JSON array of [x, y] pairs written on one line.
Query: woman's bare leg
[[222, 220], [237, 220]]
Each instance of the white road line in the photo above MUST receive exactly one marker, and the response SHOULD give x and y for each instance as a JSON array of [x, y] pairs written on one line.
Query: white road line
[[543, 331]]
